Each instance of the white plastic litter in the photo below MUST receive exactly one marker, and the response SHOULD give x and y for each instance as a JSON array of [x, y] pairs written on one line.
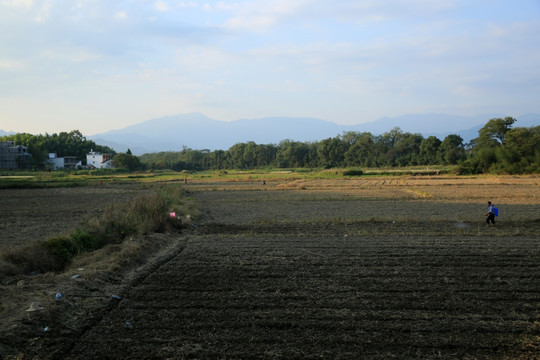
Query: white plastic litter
[[34, 306]]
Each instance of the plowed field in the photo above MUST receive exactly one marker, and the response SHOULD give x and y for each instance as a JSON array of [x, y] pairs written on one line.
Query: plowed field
[[335, 273], [304, 296]]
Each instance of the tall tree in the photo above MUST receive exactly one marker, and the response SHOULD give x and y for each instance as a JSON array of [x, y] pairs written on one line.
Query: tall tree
[[331, 152], [292, 154], [361, 153], [452, 149], [126, 161], [429, 150], [496, 129]]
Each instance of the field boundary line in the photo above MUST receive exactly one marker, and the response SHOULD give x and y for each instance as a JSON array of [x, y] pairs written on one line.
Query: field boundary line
[[164, 256]]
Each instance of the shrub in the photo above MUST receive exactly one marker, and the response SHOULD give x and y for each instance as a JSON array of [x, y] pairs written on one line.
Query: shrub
[[85, 240], [33, 257], [353, 173], [63, 249]]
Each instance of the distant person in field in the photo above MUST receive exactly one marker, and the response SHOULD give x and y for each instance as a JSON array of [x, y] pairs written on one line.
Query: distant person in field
[[490, 214]]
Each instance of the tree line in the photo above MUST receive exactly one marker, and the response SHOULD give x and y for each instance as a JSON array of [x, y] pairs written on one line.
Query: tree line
[[71, 143], [499, 148]]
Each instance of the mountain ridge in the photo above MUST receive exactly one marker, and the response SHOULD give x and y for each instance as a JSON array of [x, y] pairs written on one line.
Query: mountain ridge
[[197, 131]]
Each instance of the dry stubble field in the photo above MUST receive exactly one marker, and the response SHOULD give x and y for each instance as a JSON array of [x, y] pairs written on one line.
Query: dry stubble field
[[383, 268]]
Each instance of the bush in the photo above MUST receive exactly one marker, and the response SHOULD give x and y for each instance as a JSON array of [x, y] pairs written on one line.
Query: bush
[[353, 173], [63, 249], [30, 258], [85, 240]]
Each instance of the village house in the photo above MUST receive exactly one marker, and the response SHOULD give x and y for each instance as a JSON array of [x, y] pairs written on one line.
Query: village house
[[66, 162], [13, 156], [98, 160]]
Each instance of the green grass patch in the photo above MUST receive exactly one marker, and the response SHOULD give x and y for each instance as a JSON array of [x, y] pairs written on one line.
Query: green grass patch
[[353, 172], [23, 180]]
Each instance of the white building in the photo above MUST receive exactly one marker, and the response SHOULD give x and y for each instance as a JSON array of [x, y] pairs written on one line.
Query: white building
[[98, 160], [66, 162]]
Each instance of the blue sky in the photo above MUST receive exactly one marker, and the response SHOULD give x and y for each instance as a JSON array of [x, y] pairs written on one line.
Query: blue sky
[[99, 65]]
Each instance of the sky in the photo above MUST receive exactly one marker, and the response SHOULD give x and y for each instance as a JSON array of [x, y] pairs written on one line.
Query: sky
[[99, 65]]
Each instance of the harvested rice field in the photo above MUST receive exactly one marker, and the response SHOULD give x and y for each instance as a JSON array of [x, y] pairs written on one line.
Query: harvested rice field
[[377, 268]]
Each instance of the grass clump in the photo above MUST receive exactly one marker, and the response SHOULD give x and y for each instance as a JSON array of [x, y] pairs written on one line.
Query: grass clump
[[63, 248], [149, 213], [353, 173], [145, 214]]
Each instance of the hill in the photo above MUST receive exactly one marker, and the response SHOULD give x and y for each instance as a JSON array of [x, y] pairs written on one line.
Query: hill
[[197, 131]]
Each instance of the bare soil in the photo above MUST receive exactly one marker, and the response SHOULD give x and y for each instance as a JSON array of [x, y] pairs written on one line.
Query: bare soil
[[30, 214], [284, 272]]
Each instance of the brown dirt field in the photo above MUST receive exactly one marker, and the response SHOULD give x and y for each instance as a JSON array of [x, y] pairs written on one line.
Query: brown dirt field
[[30, 214], [318, 269]]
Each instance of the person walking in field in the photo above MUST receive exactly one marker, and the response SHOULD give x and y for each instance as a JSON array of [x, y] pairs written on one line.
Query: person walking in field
[[490, 214]]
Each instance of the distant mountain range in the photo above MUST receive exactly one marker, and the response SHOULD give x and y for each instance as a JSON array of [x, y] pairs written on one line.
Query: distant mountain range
[[197, 131], [4, 133]]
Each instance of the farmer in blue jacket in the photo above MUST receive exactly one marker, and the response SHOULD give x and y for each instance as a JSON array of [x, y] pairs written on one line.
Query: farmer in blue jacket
[[490, 214]]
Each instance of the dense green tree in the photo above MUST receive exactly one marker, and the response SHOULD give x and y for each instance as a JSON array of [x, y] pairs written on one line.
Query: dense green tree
[[361, 152], [498, 148], [71, 143], [524, 141], [521, 151], [488, 148], [452, 150], [266, 155], [385, 149], [249, 158], [429, 150], [292, 154], [407, 149], [126, 161], [350, 137], [217, 160], [236, 156], [495, 129], [39, 155], [331, 152]]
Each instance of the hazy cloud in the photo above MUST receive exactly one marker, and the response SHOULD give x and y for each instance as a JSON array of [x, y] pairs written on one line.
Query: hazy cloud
[[334, 60], [162, 6]]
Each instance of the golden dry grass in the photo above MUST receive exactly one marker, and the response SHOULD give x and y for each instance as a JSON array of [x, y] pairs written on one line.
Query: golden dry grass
[[498, 189]]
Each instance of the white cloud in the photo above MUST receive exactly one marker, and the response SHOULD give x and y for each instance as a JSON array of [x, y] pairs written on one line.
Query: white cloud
[[251, 22], [162, 6], [199, 58], [257, 15], [28, 4], [187, 5], [10, 64], [121, 15]]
